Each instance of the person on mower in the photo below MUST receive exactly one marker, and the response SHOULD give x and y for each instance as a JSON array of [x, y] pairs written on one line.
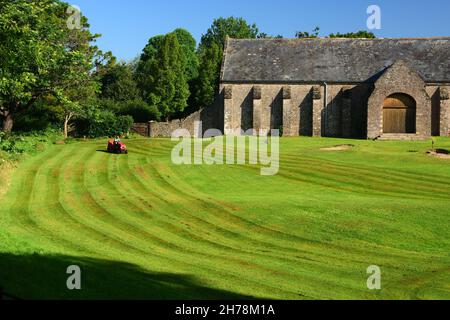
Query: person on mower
[[117, 140]]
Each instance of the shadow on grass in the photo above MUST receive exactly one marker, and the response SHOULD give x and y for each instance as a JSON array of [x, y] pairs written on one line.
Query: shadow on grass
[[36, 277], [442, 151]]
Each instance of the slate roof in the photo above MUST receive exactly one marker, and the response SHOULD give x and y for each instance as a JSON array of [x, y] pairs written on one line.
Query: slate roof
[[332, 60]]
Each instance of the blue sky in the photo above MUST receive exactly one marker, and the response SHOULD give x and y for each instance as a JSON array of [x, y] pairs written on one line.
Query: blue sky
[[126, 26]]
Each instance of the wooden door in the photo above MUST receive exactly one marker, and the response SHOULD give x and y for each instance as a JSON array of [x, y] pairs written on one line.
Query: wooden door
[[394, 120], [399, 115]]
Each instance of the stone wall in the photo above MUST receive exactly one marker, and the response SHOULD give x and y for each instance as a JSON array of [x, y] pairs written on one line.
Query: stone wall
[[297, 109], [440, 109], [399, 78], [265, 107], [165, 129], [444, 123], [210, 117], [141, 128]]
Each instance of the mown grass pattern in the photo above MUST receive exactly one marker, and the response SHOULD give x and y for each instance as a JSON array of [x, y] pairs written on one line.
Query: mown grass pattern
[[142, 227]]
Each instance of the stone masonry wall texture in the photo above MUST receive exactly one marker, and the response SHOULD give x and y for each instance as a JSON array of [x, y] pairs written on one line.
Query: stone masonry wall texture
[[305, 113], [399, 78]]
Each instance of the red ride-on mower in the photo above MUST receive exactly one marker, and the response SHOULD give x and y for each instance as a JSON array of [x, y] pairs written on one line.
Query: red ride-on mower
[[117, 147]]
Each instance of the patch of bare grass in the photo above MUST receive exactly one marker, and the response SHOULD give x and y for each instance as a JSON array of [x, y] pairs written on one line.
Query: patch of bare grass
[[440, 153]]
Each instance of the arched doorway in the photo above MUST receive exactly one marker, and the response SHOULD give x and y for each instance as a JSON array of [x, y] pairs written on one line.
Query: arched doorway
[[399, 114]]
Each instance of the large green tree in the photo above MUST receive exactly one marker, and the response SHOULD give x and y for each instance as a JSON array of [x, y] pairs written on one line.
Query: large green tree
[[232, 27], [168, 88], [146, 64], [149, 56], [42, 53], [120, 94], [189, 47], [149, 64], [118, 84], [207, 82]]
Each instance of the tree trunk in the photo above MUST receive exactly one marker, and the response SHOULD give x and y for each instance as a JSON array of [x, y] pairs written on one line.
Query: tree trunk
[[66, 127], [67, 119], [8, 123]]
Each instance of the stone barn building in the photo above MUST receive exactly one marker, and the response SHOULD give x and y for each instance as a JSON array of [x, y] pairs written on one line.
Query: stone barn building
[[351, 88]]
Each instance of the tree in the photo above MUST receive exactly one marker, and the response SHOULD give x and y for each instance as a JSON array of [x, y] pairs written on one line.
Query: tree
[[306, 35], [189, 47], [362, 34], [70, 110], [40, 55], [208, 83], [140, 111], [118, 84], [134, 64], [73, 101], [146, 64], [232, 27], [151, 49], [168, 87], [150, 59]]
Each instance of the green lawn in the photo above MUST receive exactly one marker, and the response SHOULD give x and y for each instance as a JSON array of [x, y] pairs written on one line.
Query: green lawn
[[141, 227]]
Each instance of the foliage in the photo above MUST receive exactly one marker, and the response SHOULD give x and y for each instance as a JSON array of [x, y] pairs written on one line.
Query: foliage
[[101, 123], [73, 103], [167, 87], [168, 62], [207, 83], [149, 56], [27, 142], [148, 59], [306, 35], [188, 47], [117, 83], [134, 63], [103, 63], [40, 116], [264, 35], [315, 34], [140, 111], [232, 27], [40, 55], [362, 34]]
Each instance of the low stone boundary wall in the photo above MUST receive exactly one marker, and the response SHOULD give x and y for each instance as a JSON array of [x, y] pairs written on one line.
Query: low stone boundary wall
[[141, 128], [165, 129], [210, 118]]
